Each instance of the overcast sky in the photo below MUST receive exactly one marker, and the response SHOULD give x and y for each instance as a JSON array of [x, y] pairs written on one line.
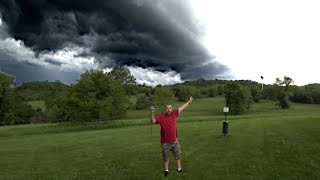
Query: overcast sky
[[272, 38], [163, 41]]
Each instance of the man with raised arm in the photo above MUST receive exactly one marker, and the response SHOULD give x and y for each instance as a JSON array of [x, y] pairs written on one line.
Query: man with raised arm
[[169, 134]]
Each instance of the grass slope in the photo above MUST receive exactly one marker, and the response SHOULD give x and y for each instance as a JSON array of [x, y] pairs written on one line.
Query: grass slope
[[267, 143], [38, 104]]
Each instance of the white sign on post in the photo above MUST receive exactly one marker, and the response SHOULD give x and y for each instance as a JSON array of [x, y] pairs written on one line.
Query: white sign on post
[[226, 109]]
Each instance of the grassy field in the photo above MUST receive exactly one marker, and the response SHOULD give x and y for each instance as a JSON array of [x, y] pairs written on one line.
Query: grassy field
[[266, 143]]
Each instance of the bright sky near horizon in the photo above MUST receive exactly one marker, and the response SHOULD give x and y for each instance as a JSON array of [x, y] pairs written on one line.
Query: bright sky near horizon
[[273, 38]]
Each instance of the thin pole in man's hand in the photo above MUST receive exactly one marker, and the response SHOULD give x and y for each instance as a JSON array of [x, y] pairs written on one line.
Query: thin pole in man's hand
[[153, 109]]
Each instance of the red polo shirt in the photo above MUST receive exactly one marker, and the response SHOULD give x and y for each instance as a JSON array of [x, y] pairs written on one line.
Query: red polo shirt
[[168, 125]]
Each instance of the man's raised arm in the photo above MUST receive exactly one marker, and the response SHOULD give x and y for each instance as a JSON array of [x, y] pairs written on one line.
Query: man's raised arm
[[152, 119], [183, 106]]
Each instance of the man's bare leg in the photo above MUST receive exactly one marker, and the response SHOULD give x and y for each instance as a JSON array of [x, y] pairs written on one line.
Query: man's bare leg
[[166, 165], [178, 162], [166, 168]]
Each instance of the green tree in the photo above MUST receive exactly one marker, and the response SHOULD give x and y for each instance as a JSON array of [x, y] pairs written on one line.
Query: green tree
[[162, 96], [20, 113], [123, 75], [12, 109], [314, 91], [256, 93], [213, 91], [183, 92], [238, 98], [220, 89], [204, 91], [97, 96], [270, 92], [302, 95], [5, 82], [56, 108], [284, 93], [56, 113], [5, 91], [143, 102]]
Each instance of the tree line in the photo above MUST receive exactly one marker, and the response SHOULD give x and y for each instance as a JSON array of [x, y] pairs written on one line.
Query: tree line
[[104, 96]]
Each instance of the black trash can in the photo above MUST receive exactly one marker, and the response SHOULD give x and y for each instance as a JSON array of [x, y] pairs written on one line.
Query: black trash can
[[225, 127]]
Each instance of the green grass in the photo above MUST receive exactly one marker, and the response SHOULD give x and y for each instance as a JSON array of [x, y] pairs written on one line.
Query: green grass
[[266, 143]]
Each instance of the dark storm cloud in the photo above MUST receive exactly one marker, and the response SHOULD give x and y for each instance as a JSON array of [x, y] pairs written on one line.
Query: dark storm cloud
[[26, 72], [162, 34], [53, 62]]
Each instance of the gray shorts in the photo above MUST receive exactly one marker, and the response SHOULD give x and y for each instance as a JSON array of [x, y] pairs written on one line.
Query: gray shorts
[[174, 148]]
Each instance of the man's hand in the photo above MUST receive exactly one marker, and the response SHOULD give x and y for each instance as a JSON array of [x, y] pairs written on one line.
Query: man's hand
[[152, 110], [190, 100]]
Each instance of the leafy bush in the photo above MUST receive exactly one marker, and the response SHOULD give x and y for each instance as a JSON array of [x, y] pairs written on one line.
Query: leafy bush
[[20, 114], [184, 92], [238, 98], [142, 102], [97, 96], [256, 93], [213, 91]]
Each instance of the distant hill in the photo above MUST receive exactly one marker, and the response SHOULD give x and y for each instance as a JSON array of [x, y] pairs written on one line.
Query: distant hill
[[32, 91], [208, 83]]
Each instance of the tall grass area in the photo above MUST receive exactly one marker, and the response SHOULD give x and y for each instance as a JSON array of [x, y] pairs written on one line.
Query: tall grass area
[[265, 143]]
